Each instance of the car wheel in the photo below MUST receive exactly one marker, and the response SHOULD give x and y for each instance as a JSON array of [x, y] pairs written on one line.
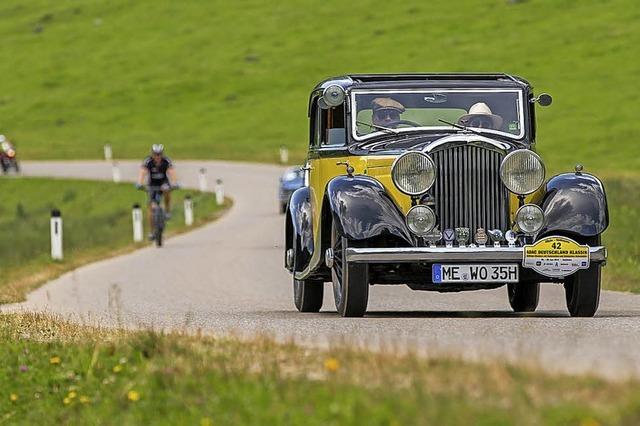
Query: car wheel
[[350, 280], [307, 295], [523, 297], [582, 291]]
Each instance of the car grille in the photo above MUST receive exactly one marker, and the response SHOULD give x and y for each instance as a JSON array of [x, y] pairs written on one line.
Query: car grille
[[468, 190]]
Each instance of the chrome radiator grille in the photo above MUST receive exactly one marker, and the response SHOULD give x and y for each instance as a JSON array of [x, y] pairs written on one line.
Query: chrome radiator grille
[[468, 191]]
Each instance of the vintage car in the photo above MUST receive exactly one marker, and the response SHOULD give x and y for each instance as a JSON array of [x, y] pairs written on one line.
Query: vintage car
[[291, 179], [432, 181]]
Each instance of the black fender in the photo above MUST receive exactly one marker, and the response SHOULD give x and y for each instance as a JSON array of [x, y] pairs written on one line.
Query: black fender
[[575, 203], [362, 209], [299, 228]]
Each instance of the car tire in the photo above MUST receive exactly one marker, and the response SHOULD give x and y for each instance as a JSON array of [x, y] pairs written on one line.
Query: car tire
[[582, 292], [308, 294], [582, 289], [350, 280], [524, 297]]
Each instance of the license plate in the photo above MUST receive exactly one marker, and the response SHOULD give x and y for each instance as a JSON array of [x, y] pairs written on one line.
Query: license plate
[[494, 273]]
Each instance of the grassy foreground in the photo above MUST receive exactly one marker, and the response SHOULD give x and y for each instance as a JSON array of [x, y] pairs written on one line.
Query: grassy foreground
[[70, 374], [96, 224]]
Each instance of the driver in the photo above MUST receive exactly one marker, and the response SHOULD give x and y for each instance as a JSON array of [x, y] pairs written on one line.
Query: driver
[[386, 111], [480, 116]]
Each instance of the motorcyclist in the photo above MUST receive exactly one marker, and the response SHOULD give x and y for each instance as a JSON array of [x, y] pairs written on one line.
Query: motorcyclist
[[157, 170]]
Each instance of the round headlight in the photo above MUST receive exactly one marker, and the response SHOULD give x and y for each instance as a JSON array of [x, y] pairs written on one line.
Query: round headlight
[[529, 218], [333, 95], [421, 220], [522, 171], [413, 173]]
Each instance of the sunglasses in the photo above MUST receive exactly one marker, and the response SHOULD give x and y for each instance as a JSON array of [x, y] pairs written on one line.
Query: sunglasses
[[387, 114], [482, 122]]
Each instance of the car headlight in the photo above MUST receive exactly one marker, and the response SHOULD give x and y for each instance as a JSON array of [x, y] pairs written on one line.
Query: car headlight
[[529, 218], [413, 173], [522, 171], [421, 220]]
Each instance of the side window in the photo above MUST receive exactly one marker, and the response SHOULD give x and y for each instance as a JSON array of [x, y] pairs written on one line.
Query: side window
[[333, 126]]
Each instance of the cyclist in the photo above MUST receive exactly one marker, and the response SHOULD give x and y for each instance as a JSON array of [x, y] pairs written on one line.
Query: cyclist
[[158, 171]]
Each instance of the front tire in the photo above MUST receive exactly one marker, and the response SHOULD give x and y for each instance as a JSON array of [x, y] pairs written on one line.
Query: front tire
[[350, 280], [308, 294], [582, 289], [582, 292], [524, 297]]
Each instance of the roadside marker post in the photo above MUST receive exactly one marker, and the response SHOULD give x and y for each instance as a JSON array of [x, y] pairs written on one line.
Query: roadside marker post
[[219, 192], [284, 155], [56, 235], [136, 214], [202, 179], [115, 172], [188, 210], [107, 153]]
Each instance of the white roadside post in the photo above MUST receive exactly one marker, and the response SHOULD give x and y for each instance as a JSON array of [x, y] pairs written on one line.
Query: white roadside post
[[202, 179], [107, 152], [56, 235], [219, 192], [188, 210], [136, 214], [284, 155], [115, 172]]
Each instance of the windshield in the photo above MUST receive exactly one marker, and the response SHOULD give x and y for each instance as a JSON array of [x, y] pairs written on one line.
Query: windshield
[[378, 112]]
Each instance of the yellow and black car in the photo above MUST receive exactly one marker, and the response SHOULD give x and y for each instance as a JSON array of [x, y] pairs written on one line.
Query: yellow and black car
[[432, 181]]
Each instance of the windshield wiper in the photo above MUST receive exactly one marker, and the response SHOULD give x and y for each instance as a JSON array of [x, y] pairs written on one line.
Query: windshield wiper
[[375, 126], [460, 126]]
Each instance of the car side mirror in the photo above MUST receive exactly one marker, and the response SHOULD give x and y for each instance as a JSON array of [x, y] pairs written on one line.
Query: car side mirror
[[544, 99]]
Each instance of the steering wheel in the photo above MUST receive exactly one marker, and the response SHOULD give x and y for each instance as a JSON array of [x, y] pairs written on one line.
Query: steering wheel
[[396, 123]]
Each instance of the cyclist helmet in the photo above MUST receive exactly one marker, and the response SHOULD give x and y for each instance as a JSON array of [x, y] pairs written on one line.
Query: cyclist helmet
[[157, 148]]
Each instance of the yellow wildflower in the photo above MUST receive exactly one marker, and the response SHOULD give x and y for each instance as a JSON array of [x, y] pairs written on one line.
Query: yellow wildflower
[[55, 360], [66, 401], [84, 399], [206, 421], [133, 395], [331, 365], [117, 368], [72, 394], [13, 397]]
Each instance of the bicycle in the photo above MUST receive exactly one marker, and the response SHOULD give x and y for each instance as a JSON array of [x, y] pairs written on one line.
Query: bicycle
[[158, 215]]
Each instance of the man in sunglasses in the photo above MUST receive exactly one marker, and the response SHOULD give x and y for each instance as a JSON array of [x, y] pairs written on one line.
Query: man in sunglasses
[[480, 116], [386, 112]]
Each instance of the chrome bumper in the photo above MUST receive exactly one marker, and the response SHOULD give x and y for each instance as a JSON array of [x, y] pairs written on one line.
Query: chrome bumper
[[488, 254]]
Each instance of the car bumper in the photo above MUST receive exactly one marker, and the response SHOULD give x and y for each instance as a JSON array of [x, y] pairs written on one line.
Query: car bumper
[[598, 254]]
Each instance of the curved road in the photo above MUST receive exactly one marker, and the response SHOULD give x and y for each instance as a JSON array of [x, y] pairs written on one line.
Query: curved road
[[228, 277]]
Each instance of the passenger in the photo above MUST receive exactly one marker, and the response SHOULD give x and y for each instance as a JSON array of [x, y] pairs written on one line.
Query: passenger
[[386, 111], [480, 116]]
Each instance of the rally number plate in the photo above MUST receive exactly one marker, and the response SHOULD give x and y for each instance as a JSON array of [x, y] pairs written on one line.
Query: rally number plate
[[493, 273]]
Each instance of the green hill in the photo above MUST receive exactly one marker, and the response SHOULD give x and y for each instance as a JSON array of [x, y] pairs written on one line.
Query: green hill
[[215, 79]]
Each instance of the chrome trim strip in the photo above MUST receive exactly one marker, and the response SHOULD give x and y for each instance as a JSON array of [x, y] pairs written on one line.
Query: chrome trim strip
[[598, 254]]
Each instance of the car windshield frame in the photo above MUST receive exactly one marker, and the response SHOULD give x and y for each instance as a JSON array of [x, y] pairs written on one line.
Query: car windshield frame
[[443, 128]]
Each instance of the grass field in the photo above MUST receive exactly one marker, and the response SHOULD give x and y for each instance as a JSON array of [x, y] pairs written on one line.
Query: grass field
[[70, 374], [231, 80], [96, 223]]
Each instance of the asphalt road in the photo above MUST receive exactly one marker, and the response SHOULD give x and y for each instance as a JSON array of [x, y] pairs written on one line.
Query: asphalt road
[[228, 277]]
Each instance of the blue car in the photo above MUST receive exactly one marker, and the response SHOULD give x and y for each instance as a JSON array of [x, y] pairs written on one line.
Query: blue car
[[292, 179]]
